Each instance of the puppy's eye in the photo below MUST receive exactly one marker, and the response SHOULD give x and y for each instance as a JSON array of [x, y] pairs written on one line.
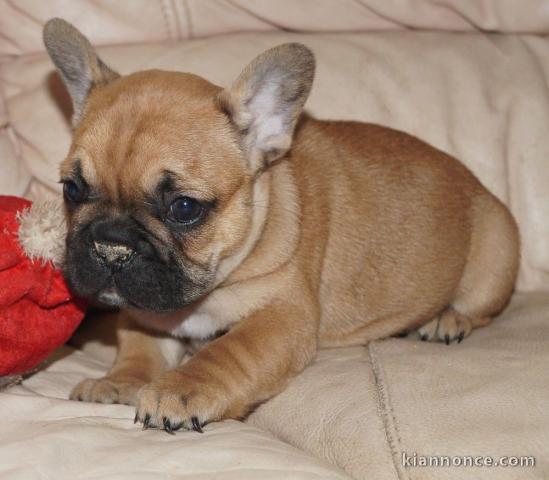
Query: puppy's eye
[[73, 192], [185, 210]]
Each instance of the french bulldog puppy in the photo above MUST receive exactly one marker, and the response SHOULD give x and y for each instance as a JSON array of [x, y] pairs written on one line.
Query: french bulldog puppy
[[200, 210]]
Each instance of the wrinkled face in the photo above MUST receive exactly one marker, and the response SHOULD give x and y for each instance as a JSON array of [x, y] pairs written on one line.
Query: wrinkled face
[[157, 192], [161, 179]]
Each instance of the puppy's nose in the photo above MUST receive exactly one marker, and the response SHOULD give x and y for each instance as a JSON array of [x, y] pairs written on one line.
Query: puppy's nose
[[113, 253], [116, 240]]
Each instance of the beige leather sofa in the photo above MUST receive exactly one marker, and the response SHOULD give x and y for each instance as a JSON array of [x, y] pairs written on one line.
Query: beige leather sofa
[[428, 67]]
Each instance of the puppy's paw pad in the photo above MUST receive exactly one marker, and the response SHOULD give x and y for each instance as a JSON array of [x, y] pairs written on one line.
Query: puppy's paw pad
[[172, 403], [453, 326], [428, 332], [107, 390], [81, 392], [448, 327]]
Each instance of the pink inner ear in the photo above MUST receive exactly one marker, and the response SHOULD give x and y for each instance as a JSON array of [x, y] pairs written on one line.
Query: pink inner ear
[[267, 114]]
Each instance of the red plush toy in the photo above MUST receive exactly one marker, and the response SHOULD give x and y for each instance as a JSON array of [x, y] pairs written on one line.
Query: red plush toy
[[38, 313]]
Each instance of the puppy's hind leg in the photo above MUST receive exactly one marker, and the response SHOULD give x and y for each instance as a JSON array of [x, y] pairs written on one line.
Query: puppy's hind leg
[[489, 276]]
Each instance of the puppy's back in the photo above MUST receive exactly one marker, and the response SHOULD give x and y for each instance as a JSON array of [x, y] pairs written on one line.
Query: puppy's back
[[402, 228]]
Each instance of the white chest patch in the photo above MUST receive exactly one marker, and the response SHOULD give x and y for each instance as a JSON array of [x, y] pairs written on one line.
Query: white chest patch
[[184, 323], [197, 325], [220, 310]]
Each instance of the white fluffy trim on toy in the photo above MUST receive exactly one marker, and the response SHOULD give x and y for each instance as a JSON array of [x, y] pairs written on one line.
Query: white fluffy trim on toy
[[42, 231]]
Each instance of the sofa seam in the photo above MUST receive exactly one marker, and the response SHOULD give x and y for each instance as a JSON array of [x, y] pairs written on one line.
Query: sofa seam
[[7, 126], [167, 24], [386, 412], [3, 100], [10, 130], [188, 18]]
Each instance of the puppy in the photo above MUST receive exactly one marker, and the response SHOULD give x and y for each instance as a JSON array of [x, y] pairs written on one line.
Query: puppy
[[199, 210]]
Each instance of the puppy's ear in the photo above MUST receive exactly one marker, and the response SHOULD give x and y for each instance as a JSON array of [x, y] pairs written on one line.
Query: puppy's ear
[[80, 68], [265, 102]]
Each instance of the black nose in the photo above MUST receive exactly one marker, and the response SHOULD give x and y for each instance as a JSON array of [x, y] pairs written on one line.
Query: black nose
[[116, 240], [112, 253]]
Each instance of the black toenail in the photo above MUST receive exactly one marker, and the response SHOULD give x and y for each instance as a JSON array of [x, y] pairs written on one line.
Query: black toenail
[[447, 339], [177, 426], [146, 421], [167, 425], [196, 425]]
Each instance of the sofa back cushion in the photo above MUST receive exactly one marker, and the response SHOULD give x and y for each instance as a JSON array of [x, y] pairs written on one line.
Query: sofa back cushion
[[481, 98]]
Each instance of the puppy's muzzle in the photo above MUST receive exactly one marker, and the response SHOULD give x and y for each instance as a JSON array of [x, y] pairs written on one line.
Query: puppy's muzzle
[[116, 241]]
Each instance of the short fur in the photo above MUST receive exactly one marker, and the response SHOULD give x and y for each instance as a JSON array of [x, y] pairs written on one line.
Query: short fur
[[317, 233]]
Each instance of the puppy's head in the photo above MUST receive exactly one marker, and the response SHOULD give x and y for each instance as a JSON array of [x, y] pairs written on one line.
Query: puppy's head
[[159, 179]]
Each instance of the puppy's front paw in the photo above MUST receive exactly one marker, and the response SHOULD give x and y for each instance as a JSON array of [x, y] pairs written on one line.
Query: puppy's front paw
[[108, 390], [176, 401]]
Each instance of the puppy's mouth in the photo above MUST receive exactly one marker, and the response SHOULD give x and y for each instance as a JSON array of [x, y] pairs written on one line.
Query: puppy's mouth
[[142, 284], [111, 296]]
